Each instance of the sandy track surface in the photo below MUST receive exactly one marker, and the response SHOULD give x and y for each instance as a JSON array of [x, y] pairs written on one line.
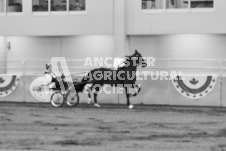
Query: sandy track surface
[[31, 126]]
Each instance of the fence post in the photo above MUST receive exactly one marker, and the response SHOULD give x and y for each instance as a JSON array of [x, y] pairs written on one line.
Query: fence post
[[168, 82], [221, 81], [24, 62]]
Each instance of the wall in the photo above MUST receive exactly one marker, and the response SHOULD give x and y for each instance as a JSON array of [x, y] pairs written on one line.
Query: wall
[[162, 92], [33, 48], [97, 21], [87, 46], [42, 49], [183, 47], [154, 92], [120, 39], [180, 46], [138, 23], [3, 54]]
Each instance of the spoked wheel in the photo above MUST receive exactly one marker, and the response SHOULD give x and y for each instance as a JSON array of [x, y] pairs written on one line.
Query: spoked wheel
[[57, 99], [72, 99]]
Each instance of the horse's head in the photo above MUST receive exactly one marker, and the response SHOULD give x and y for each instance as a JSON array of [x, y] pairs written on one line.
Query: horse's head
[[48, 67], [138, 59]]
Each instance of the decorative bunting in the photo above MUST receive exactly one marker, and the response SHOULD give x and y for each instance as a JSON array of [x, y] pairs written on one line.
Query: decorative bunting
[[8, 84], [194, 87]]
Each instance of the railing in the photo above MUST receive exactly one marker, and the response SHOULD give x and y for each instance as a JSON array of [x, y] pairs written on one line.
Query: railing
[[208, 66], [31, 67]]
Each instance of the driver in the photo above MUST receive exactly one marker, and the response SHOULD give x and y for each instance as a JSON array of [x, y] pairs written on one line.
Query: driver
[[51, 77]]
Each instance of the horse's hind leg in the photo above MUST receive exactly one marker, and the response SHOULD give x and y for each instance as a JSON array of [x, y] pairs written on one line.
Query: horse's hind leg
[[127, 97], [95, 93]]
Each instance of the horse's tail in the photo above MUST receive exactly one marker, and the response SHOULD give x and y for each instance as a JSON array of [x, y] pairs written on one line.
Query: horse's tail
[[81, 85]]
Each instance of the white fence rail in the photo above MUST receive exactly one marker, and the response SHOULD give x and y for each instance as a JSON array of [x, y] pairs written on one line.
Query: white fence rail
[[215, 67], [27, 67]]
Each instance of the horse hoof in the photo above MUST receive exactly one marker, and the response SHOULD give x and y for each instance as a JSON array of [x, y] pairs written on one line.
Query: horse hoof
[[97, 105], [130, 106]]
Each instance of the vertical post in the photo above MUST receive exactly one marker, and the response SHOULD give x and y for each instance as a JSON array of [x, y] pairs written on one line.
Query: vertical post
[[120, 28], [3, 55], [221, 82], [168, 83], [24, 73]]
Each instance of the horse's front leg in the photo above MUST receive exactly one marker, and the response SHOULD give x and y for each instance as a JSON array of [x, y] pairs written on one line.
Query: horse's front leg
[[130, 106], [95, 93], [89, 98]]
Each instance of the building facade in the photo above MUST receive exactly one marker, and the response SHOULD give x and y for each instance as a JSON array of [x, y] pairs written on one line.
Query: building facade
[[158, 28], [179, 34]]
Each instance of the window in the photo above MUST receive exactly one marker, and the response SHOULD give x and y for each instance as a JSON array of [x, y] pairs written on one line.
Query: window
[[58, 5], [201, 4], [11, 7], [153, 4], [14, 6], [40, 5], [77, 5], [176, 5]]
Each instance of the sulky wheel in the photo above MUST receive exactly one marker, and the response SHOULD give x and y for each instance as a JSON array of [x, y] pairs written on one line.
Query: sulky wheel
[[72, 99], [57, 99]]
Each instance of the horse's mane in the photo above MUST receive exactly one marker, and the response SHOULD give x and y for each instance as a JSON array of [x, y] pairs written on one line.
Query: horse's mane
[[126, 59]]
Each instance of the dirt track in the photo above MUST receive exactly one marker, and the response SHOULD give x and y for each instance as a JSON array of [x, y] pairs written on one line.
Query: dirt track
[[27, 126]]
